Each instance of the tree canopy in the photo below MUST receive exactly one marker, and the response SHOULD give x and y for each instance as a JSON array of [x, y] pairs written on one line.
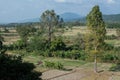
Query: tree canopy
[[96, 26]]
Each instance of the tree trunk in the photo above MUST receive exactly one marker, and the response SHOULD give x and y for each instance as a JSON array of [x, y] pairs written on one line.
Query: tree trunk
[[49, 36], [95, 62]]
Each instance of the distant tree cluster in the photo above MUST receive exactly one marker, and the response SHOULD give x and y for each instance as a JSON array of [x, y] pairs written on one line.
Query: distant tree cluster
[[113, 25]]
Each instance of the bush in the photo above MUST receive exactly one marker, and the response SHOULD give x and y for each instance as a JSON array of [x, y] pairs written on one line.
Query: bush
[[110, 56], [53, 65], [57, 44], [79, 43], [37, 43], [110, 37], [58, 54], [71, 54], [106, 46], [47, 53], [58, 65], [18, 45]]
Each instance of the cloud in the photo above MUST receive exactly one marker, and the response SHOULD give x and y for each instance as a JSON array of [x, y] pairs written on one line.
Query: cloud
[[86, 1], [110, 1], [30, 0], [69, 1], [60, 1]]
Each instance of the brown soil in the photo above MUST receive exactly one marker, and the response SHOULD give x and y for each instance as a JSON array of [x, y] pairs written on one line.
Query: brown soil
[[80, 74]]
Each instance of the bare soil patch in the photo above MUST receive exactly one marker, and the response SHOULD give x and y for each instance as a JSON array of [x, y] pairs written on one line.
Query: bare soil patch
[[80, 74]]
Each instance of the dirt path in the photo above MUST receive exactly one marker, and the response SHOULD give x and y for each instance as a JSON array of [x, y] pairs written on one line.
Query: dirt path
[[75, 74], [80, 74]]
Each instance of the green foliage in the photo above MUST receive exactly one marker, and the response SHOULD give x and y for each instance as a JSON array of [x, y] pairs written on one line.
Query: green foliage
[[47, 53], [75, 23], [113, 25], [2, 48], [53, 65], [1, 38], [6, 30], [107, 47], [71, 54], [57, 44], [111, 55], [96, 26], [79, 42], [97, 29], [18, 45], [37, 43], [110, 37], [115, 67], [25, 31], [49, 22]]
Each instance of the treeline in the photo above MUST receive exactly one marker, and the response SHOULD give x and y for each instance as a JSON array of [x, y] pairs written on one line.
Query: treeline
[[10, 25], [113, 25], [66, 24]]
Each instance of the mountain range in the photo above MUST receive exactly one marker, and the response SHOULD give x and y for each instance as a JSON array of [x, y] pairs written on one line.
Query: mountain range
[[69, 17]]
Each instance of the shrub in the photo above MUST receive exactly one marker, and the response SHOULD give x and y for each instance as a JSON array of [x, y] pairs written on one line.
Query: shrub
[[71, 54], [16, 45], [106, 46], [110, 56], [37, 43], [79, 43], [110, 37], [58, 65], [47, 53], [53, 65], [57, 44]]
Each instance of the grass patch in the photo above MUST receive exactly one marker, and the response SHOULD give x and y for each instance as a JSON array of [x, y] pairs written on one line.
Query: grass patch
[[67, 63], [113, 42]]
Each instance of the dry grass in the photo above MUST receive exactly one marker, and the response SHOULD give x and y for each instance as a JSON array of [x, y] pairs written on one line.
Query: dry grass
[[80, 70], [83, 29], [12, 36]]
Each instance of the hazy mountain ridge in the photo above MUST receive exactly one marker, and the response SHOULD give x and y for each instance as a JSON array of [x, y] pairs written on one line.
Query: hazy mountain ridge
[[112, 18], [69, 17], [77, 17], [107, 18], [66, 16]]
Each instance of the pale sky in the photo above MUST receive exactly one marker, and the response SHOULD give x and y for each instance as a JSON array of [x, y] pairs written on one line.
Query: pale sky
[[17, 10]]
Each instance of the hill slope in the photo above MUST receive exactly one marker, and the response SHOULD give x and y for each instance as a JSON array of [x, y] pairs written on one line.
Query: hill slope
[[70, 16], [112, 18], [75, 17]]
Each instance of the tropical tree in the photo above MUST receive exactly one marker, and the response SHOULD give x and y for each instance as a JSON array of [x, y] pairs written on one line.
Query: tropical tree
[[50, 21], [96, 26]]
